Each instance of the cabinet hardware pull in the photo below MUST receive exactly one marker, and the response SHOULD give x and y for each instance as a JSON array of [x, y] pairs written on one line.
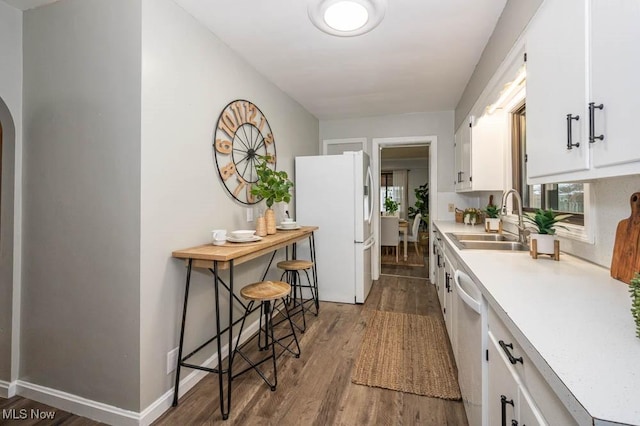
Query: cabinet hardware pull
[[570, 143], [503, 405], [439, 261], [447, 284], [505, 347], [592, 122]]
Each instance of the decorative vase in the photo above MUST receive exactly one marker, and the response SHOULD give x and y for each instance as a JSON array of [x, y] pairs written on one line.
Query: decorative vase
[[261, 227], [545, 243], [270, 218]]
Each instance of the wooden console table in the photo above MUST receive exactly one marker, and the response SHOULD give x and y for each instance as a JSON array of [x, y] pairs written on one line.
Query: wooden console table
[[225, 257]]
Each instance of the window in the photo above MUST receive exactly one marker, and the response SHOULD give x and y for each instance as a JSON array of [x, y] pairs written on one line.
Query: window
[[561, 197], [387, 190]]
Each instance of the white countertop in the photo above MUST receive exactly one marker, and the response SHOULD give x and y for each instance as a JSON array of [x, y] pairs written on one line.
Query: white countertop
[[574, 316]]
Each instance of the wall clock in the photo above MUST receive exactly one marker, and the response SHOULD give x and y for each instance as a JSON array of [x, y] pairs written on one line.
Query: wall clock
[[242, 135]]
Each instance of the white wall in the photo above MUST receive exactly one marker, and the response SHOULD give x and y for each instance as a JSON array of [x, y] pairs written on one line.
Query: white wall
[[11, 192], [611, 199], [513, 20], [81, 234], [189, 75], [439, 124]]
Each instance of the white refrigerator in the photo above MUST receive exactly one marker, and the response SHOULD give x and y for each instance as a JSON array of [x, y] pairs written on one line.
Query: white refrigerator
[[334, 192]]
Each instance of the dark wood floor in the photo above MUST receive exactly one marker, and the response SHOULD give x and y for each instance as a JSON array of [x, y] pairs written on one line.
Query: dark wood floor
[[316, 388]]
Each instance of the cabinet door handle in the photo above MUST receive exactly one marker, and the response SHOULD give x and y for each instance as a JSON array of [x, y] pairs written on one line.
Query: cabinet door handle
[[503, 406], [592, 123], [570, 143], [505, 347], [447, 283], [439, 261]]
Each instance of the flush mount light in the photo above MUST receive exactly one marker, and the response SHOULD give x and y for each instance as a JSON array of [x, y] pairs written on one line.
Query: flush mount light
[[346, 18]]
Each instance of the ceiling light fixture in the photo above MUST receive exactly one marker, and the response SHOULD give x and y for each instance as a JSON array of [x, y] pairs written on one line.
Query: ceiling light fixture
[[346, 18]]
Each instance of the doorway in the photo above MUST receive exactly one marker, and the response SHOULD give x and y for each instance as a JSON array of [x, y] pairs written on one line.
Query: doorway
[[398, 147]]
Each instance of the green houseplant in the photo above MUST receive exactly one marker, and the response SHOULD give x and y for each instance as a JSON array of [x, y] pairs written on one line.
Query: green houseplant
[[390, 206], [634, 289], [422, 207], [545, 223], [471, 215], [492, 219], [273, 187]]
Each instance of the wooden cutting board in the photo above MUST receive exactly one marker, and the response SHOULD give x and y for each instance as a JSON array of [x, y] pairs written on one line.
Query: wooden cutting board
[[626, 250]]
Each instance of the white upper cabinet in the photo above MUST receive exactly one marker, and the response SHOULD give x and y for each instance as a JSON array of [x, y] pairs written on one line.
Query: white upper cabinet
[[463, 155], [615, 66], [582, 57], [479, 153], [556, 87]]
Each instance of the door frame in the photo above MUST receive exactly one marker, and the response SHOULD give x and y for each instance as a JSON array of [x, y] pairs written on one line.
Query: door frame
[[378, 144]]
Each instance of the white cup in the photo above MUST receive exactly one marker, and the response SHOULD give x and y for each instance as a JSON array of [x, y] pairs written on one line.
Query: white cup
[[218, 236]]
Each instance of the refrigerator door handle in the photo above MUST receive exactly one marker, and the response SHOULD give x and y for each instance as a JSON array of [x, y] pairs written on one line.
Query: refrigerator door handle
[[369, 244], [370, 195]]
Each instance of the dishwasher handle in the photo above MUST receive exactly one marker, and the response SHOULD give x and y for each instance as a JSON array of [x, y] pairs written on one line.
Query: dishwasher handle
[[466, 298]]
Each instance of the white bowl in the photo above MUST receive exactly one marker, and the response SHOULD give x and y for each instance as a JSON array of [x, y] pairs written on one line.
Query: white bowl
[[291, 224], [243, 234]]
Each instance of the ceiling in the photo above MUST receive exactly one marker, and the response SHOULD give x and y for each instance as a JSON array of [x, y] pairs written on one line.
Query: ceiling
[[419, 59]]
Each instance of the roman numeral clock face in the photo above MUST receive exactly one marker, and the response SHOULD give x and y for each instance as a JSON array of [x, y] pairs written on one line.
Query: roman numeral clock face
[[242, 136]]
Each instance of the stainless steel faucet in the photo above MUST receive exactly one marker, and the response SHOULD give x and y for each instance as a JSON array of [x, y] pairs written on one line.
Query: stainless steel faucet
[[503, 211]]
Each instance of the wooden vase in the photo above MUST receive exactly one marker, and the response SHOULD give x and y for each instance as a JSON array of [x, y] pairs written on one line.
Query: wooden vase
[[270, 218], [261, 227]]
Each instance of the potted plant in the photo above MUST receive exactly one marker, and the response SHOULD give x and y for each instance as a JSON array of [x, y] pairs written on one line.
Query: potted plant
[[273, 187], [390, 206], [471, 216], [634, 289], [421, 206], [545, 223], [492, 219]]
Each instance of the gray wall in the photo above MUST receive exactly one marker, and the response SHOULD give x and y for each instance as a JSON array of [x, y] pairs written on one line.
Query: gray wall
[[515, 17], [189, 76], [11, 122], [6, 239], [81, 293], [439, 124]]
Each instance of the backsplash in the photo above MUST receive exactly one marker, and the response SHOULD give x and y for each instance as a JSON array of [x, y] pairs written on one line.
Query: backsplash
[[611, 199]]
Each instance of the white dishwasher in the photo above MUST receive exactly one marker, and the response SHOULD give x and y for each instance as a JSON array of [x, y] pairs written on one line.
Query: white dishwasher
[[471, 341]]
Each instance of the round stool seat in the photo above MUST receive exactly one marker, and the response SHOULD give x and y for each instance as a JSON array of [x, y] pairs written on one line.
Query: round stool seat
[[295, 265], [266, 290]]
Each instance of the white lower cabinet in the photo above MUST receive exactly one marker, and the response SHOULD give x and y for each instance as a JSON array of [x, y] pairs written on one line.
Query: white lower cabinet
[[503, 387], [511, 370]]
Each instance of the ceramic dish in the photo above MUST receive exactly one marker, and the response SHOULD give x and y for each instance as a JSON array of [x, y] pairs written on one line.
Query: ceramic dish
[[253, 239], [288, 228], [243, 234]]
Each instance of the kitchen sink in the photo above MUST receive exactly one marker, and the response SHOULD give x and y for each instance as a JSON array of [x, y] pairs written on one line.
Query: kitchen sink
[[484, 237], [487, 242]]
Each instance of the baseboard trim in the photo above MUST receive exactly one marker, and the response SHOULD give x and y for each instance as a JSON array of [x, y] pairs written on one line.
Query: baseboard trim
[[108, 413], [163, 404], [78, 405], [7, 389]]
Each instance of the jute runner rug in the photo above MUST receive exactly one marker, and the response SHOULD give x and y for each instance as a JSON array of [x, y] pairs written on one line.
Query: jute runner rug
[[406, 353]]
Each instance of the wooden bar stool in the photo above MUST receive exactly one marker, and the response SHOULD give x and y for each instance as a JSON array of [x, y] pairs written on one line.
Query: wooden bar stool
[[266, 292], [292, 270]]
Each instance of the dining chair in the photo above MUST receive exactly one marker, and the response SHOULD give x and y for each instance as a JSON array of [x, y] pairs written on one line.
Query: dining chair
[[389, 229], [414, 237]]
